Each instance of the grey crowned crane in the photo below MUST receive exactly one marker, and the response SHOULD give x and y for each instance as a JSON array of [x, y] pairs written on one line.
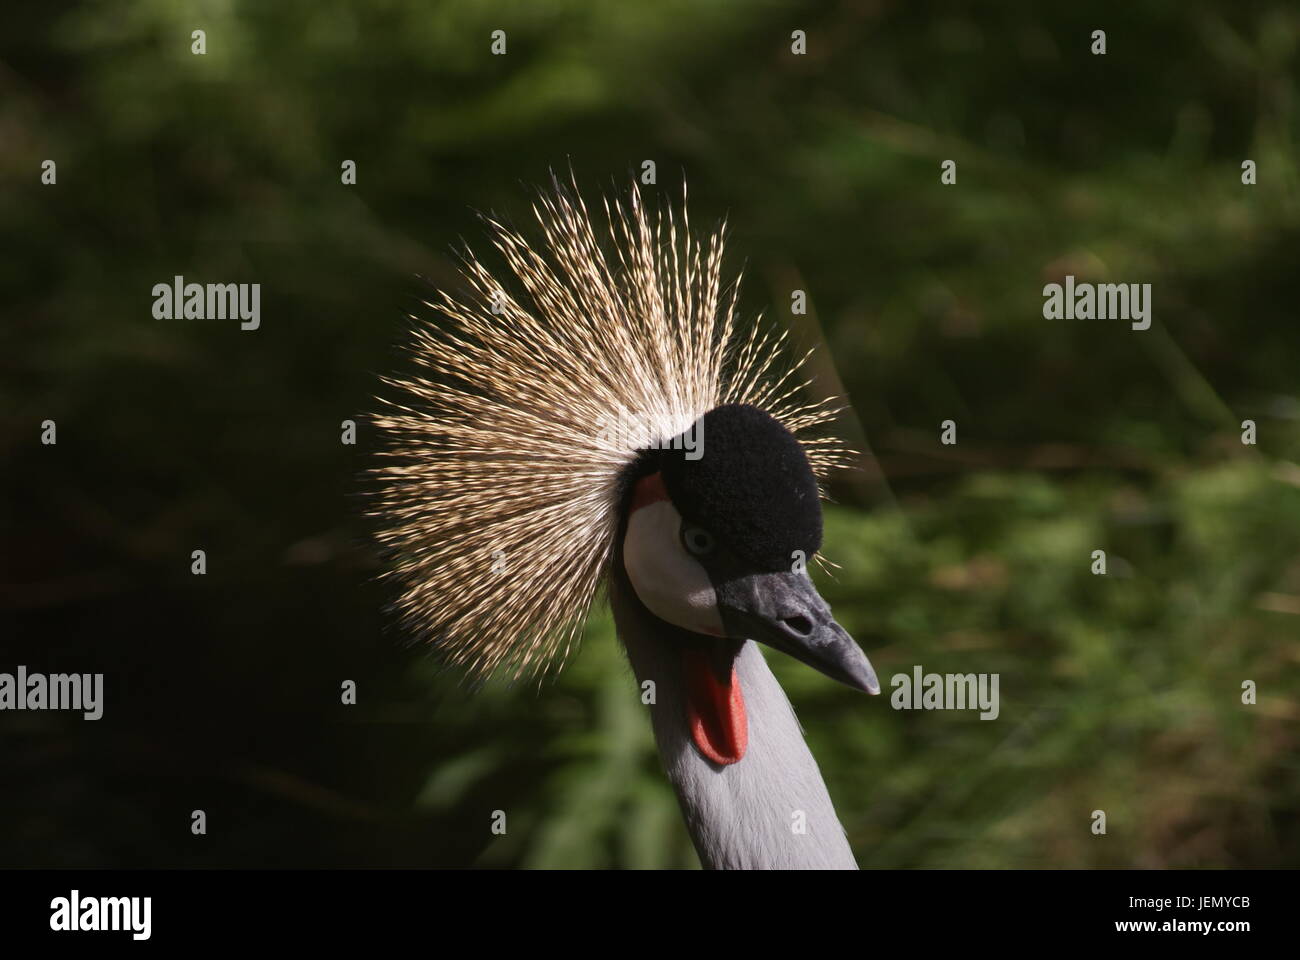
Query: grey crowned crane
[[613, 427]]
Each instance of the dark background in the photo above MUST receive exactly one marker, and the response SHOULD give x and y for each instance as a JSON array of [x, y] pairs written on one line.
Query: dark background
[[1119, 693]]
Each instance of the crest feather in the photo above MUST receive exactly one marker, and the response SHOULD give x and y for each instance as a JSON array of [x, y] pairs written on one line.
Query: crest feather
[[498, 489]]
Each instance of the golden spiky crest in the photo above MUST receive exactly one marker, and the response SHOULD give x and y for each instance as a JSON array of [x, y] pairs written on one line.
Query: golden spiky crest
[[498, 492]]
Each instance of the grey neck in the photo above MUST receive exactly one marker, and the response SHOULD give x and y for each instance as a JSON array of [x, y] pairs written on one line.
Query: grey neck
[[771, 810]]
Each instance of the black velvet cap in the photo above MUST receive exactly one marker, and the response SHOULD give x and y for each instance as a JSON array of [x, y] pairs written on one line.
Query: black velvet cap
[[751, 487]]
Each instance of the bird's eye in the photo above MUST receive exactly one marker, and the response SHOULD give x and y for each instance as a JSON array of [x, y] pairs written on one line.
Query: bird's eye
[[697, 540]]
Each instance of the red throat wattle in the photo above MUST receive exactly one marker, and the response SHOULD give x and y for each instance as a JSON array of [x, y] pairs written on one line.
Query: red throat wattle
[[715, 709]]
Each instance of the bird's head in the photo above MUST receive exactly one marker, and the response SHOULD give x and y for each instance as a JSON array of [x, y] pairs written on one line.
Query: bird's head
[[721, 524], [507, 494]]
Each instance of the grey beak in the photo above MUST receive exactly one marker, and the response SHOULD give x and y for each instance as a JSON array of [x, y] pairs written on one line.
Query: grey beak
[[785, 611]]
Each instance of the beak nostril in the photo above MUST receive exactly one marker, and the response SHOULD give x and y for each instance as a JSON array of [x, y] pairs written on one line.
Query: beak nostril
[[800, 625]]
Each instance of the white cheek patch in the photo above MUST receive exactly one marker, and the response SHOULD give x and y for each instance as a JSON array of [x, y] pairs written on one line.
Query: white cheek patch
[[669, 581]]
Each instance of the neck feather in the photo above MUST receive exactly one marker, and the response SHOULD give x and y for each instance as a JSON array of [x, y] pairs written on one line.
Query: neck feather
[[771, 810]]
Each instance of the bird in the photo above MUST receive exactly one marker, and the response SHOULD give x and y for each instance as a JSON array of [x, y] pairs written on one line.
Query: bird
[[603, 425]]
